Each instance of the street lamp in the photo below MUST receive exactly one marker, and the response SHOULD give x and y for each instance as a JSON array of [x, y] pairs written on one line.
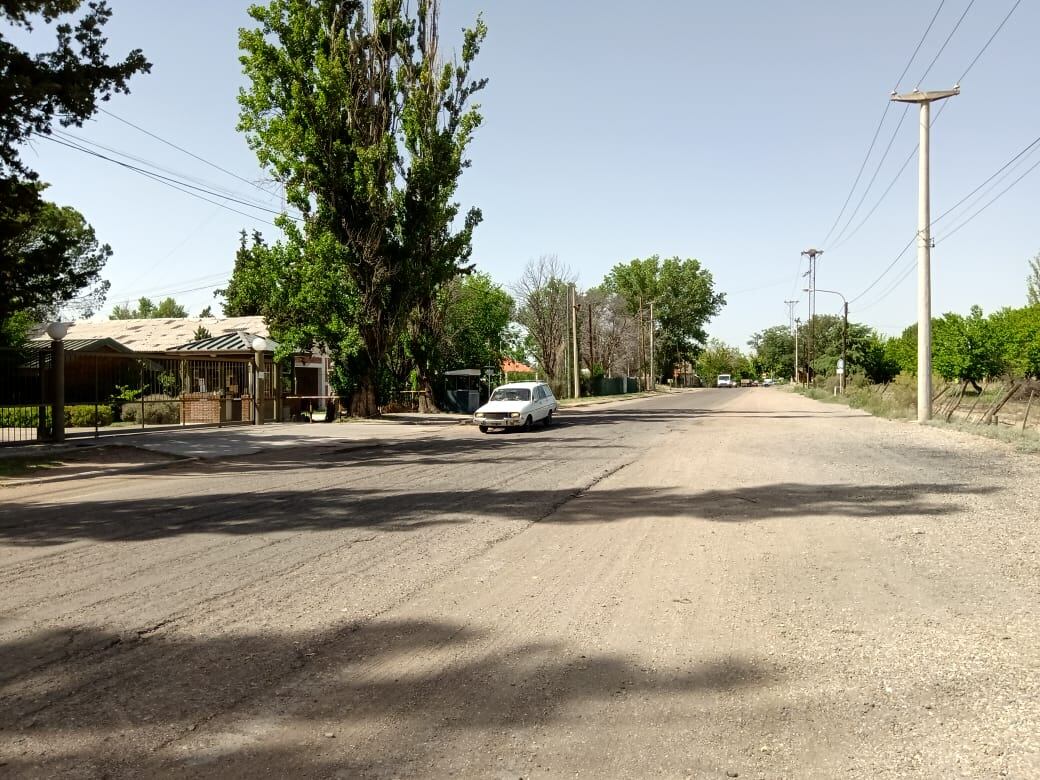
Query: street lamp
[[843, 368]]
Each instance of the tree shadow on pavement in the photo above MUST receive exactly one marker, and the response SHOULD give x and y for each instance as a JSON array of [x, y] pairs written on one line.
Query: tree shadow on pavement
[[264, 703], [407, 510]]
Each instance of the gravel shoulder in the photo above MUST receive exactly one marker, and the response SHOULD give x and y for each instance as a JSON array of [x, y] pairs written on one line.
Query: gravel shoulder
[[696, 585]]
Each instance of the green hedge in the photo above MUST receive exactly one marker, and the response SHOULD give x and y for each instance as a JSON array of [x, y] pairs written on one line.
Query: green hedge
[[158, 410], [87, 416], [23, 416]]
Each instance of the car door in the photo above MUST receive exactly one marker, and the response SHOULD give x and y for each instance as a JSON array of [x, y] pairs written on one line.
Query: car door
[[550, 399], [539, 403]]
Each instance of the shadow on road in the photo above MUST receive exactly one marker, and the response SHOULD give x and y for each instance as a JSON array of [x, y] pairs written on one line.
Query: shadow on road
[[102, 708], [406, 510]]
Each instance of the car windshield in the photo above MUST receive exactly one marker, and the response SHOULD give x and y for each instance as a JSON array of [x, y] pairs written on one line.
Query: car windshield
[[511, 394], [724, 377]]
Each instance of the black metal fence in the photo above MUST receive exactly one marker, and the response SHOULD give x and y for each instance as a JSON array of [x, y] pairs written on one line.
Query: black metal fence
[[107, 392], [25, 412]]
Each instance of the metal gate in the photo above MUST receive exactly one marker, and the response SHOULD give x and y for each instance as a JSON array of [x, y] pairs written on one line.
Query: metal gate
[[25, 411]]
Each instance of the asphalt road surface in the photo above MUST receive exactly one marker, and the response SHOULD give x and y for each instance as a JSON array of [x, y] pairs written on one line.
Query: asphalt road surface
[[719, 583]]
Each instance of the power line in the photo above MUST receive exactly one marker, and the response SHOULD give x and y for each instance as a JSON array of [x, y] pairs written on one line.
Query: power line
[[997, 197], [881, 122], [177, 184], [78, 139], [1025, 151], [181, 149], [938, 114], [943, 47], [986, 46]]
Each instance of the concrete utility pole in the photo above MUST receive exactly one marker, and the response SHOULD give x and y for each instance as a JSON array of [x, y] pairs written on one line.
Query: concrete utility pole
[[924, 248], [812, 254], [653, 379], [574, 341], [797, 373], [790, 320]]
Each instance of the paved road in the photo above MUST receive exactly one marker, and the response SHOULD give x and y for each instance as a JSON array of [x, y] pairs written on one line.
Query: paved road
[[696, 585]]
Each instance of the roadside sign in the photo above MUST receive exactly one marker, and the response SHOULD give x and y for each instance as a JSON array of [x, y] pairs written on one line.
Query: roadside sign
[[841, 366]]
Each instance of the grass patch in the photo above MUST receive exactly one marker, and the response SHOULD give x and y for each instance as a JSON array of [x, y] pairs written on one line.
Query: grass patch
[[1024, 441]]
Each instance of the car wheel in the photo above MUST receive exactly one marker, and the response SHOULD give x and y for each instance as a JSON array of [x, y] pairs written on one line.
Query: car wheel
[[527, 423], [548, 419], [483, 429]]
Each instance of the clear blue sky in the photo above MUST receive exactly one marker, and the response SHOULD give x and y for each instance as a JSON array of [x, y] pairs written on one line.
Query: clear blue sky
[[727, 132]]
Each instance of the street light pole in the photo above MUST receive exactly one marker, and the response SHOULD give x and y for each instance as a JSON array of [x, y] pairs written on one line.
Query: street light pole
[[844, 337], [924, 248], [812, 254], [574, 341]]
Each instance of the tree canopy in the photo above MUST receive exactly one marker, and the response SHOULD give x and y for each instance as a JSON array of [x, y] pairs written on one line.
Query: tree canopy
[[49, 253], [167, 308], [684, 298], [367, 127]]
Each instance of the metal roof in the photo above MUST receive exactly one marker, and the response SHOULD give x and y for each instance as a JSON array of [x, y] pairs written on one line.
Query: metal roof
[[160, 334], [84, 345], [238, 341]]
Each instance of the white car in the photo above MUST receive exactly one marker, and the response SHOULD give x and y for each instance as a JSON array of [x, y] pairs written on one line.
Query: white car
[[725, 380], [517, 405]]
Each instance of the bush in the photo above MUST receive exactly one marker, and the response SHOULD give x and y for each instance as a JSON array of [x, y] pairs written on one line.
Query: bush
[[158, 410], [86, 416], [23, 416]]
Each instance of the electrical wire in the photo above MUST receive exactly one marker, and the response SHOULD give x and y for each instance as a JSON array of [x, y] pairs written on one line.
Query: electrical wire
[[943, 47], [881, 122], [839, 240], [1031, 147], [181, 149], [216, 188], [177, 184], [989, 203], [986, 46]]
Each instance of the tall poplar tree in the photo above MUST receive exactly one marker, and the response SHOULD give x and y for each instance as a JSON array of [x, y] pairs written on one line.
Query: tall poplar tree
[[367, 127]]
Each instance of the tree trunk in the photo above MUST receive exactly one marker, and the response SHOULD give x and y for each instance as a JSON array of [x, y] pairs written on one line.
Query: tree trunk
[[363, 400], [426, 403]]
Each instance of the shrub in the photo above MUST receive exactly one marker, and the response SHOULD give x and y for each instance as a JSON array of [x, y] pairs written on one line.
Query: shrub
[[23, 416], [158, 410], [87, 416]]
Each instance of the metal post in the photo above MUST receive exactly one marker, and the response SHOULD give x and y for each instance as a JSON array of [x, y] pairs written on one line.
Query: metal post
[[58, 385], [258, 401]]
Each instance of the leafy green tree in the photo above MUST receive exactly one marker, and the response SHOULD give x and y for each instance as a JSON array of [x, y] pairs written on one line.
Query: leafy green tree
[[878, 365], [1033, 281], [719, 358], [167, 308], [966, 349], [684, 298], [774, 350], [49, 261], [901, 351], [367, 127], [206, 312], [1017, 332], [251, 279], [466, 327], [49, 253]]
